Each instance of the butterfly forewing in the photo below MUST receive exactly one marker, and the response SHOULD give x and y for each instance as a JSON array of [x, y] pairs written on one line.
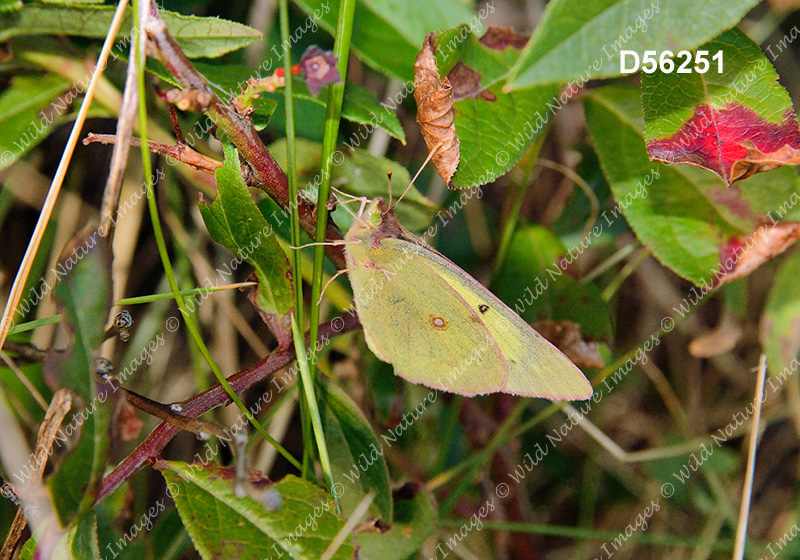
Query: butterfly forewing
[[416, 321]]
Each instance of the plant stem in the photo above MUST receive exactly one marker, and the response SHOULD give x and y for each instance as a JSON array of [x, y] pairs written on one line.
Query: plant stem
[[268, 174]]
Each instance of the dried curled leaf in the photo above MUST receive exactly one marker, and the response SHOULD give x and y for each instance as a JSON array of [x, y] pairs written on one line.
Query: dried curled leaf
[[740, 257], [566, 336], [722, 339], [434, 97]]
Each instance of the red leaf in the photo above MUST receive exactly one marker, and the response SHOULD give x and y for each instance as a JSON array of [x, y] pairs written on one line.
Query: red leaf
[[734, 142]]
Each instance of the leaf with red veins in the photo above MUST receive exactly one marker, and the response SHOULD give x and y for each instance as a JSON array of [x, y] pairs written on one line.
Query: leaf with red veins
[[733, 142], [739, 257]]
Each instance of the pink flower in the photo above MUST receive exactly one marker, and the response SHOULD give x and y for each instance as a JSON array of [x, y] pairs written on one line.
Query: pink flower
[[319, 69]]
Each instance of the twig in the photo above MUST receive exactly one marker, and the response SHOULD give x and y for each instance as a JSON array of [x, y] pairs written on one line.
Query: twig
[[198, 426], [208, 400], [34, 507], [747, 490], [180, 152], [119, 156]]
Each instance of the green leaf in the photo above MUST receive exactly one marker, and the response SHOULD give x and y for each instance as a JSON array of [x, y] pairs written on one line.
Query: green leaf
[[683, 215], [359, 106], [581, 39], [359, 173], [10, 5], [298, 521], [80, 543], [414, 518], [388, 34], [263, 109], [534, 283], [197, 36], [356, 454], [494, 128], [715, 120], [22, 120], [780, 323], [234, 220], [83, 298]]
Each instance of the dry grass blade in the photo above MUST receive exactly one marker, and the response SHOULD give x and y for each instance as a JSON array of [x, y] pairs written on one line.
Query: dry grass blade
[[747, 490], [55, 187], [119, 157]]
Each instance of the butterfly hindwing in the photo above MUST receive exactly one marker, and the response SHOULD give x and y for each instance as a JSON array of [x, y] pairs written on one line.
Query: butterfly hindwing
[[535, 366]]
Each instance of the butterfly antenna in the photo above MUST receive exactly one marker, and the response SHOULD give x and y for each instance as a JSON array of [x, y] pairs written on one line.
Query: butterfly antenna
[[424, 163]]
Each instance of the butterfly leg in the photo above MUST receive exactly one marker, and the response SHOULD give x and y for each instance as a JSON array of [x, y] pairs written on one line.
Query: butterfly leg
[[325, 287]]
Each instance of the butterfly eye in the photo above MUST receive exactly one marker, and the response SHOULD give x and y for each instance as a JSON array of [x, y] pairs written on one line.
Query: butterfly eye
[[375, 218]]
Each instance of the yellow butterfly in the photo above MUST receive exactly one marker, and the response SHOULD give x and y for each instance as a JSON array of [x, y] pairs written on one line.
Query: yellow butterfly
[[440, 327]]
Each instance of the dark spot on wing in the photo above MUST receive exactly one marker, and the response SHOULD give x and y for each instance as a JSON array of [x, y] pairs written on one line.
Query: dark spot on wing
[[483, 308], [438, 323]]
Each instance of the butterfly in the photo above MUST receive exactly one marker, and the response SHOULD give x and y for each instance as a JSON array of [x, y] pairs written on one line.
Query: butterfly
[[440, 327]]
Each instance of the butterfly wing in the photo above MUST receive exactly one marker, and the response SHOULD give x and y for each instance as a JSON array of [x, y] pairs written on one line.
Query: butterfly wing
[[414, 319], [536, 368]]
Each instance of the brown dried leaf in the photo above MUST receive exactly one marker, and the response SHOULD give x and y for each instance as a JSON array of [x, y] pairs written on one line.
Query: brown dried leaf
[[566, 336], [718, 341], [739, 257], [434, 98], [500, 38], [128, 424]]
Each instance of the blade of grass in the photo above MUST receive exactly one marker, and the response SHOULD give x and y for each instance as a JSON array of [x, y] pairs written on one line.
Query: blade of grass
[[310, 410], [294, 254], [158, 233], [644, 538], [341, 50], [518, 195], [30, 325]]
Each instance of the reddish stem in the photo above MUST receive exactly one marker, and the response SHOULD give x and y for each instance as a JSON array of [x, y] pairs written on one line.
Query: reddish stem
[[209, 399], [180, 152]]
